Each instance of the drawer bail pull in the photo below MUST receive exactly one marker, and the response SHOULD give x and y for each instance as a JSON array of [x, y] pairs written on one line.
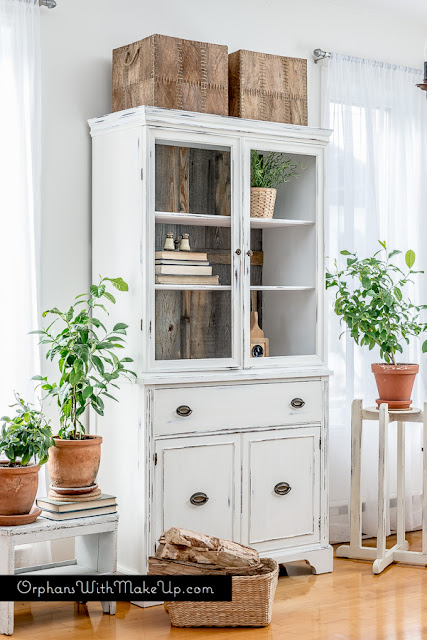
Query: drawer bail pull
[[184, 410], [199, 498], [297, 403], [282, 488]]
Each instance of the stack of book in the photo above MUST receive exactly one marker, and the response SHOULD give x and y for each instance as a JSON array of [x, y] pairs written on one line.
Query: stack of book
[[57, 510], [183, 267]]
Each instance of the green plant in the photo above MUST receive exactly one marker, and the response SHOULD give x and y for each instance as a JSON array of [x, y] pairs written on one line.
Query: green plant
[[272, 169], [370, 301], [86, 355], [25, 436]]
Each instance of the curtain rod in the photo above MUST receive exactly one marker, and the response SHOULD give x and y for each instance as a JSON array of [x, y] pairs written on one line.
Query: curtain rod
[[319, 54], [50, 4]]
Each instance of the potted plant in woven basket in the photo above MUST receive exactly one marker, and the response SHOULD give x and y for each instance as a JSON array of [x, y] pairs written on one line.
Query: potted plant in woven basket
[[25, 441], [86, 353], [268, 171], [370, 301]]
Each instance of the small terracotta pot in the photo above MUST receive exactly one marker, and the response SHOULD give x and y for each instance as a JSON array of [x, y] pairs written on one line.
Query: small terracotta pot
[[74, 463], [18, 488], [395, 383]]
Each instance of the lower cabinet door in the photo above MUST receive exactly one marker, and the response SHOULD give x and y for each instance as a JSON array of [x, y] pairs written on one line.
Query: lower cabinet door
[[281, 488], [197, 485]]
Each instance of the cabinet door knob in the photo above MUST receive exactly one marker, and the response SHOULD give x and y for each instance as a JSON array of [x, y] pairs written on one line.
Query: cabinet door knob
[[250, 253], [238, 252], [297, 403], [282, 488], [184, 410], [199, 498]]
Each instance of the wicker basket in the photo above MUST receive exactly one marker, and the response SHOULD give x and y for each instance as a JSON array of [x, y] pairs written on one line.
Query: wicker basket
[[251, 606], [262, 202]]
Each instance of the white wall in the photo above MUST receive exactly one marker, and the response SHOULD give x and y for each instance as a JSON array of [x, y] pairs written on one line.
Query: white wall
[[79, 35]]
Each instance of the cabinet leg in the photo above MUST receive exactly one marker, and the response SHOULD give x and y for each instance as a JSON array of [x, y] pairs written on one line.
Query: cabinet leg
[[7, 567]]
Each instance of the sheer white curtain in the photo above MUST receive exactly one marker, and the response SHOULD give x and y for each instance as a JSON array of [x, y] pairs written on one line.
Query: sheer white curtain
[[20, 166], [375, 189]]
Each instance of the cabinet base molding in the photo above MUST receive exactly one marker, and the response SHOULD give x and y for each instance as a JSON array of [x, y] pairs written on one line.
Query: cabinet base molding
[[320, 558]]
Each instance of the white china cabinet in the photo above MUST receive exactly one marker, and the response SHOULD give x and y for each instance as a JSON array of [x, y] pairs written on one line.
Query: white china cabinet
[[214, 436]]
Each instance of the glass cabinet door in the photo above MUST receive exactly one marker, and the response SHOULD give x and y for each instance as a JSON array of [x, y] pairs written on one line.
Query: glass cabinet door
[[284, 260], [195, 237]]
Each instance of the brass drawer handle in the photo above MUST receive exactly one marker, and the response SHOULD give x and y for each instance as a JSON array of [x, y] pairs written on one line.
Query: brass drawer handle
[[199, 498], [184, 410], [282, 488], [297, 403]]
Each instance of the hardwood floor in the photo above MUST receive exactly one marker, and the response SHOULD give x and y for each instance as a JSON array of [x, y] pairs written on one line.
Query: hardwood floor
[[348, 604]]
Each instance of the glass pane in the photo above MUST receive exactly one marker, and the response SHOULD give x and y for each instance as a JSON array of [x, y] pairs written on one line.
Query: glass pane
[[193, 292], [208, 262], [284, 256], [193, 180], [288, 321], [193, 324]]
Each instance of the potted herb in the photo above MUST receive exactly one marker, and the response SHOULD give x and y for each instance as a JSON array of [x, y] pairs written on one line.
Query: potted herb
[[268, 171], [371, 302], [25, 441], [86, 353]]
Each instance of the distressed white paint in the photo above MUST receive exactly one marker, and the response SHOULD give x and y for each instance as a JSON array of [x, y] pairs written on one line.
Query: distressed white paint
[[96, 552], [237, 403], [382, 556]]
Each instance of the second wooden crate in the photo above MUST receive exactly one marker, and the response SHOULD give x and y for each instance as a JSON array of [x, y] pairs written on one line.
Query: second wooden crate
[[267, 87], [173, 73]]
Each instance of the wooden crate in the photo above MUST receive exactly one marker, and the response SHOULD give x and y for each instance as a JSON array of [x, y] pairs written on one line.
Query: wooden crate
[[161, 71], [267, 87]]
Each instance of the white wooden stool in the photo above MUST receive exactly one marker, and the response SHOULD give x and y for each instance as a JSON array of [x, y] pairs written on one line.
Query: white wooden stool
[[96, 552], [399, 552]]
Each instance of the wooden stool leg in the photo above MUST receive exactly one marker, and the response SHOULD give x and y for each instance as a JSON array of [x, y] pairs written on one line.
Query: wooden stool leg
[[425, 479], [380, 563], [400, 507], [7, 567], [356, 455]]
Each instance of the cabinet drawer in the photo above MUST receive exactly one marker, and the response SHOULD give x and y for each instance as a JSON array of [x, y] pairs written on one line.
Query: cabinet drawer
[[236, 406], [197, 485], [281, 476]]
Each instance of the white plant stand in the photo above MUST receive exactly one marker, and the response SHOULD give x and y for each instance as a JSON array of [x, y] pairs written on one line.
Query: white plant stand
[[399, 552], [96, 552]]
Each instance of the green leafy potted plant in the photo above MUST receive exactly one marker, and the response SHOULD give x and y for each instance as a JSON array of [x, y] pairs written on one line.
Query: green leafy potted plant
[[25, 441], [370, 301], [268, 171], [89, 367]]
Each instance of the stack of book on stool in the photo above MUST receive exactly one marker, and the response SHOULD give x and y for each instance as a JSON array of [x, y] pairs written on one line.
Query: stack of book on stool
[[69, 507], [183, 267]]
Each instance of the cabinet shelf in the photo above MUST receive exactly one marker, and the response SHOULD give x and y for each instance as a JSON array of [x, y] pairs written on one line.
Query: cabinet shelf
[[278, 223], [192, 287], [195, 219], [205, 220], [280, 288]]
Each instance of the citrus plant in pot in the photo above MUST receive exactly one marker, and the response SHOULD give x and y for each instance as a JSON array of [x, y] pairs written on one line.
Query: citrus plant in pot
[[268, 172], [370, 301], [86, 353], [25, 440]]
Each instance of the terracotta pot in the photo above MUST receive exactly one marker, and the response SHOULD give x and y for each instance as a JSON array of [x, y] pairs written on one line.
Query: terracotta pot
[[74, 463], [395, 383], [18, 488]]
